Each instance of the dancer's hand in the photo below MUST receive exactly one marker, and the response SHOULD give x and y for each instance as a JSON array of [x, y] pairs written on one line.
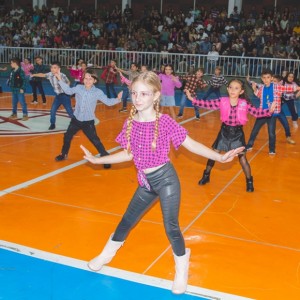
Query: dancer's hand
[[229, 156], [88, 155], [120, 95], [188, 95], [272, 107]]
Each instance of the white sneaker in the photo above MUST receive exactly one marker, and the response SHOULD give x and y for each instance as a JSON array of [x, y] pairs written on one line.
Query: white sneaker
[[295, 124], [290, 140]]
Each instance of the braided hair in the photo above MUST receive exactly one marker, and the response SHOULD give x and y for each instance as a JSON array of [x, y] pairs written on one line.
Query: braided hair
[[151, 79]]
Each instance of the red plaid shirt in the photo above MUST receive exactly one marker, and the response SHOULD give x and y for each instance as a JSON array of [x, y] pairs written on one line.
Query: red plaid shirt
[[192, 83], [278, 90], [110, 74]]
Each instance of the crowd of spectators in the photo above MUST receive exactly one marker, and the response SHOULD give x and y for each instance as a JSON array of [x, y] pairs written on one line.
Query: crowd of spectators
[[207, 31]]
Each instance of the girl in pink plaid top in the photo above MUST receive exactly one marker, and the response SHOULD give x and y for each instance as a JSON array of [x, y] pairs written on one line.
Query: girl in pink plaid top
[[233, 113], [146, 138]]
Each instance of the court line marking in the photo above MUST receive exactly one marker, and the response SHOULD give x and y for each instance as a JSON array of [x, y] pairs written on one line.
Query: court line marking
[[207, 206], [113, 272], [66, 168], [48, 175]]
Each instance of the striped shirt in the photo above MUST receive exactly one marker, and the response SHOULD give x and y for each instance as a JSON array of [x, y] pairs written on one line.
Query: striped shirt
[[86, 100], [217, 81], [54, 82], [232, 119]]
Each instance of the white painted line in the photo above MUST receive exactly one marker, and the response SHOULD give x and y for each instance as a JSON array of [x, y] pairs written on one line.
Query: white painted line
[[69, 167], [113, 272], [48, 175]]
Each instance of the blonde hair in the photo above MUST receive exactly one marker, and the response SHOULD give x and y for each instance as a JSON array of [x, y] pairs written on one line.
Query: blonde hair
[[151, 79]]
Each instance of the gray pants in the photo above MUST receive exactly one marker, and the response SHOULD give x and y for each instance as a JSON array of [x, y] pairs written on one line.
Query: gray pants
[[164, 184]]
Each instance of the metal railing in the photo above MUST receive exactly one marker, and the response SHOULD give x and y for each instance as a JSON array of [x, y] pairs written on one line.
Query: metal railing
[[183, 63]]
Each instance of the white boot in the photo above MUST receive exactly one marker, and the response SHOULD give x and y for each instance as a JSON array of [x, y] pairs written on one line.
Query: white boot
[[106, 255], [182, 270]]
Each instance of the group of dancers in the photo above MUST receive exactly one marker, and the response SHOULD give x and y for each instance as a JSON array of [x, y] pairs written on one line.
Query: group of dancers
[[147, 135]]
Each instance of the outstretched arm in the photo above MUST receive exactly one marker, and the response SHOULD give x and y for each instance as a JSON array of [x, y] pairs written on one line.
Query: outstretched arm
[[200, 149], [119, 157]]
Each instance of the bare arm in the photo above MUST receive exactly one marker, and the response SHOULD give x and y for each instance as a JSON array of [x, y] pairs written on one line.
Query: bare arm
[[119, 157], [200, 149], [39, 75]]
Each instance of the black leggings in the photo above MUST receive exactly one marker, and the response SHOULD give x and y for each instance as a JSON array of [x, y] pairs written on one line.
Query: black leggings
[[243, 161], [164, 184]]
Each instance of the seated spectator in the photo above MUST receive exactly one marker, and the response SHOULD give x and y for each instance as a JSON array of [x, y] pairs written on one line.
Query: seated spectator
[[296, 28], [212, 60], [205, 46], [254, 64]]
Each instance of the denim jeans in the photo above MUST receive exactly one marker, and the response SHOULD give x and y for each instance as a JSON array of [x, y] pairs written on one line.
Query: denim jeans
[[65, 101], [165, 185], [16, 98], [212, 90], [182, 105], [283, 120], [110, 90], [125, 96], [291, 106], [271, 122]]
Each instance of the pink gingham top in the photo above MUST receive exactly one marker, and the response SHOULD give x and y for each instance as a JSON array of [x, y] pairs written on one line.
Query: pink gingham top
[[27, 68], [142, 135]]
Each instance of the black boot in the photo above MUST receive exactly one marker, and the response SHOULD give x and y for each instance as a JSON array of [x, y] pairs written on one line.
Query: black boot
[[249, 182], [205, 178]]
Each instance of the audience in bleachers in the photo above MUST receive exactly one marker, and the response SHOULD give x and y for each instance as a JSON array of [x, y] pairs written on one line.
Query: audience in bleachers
[[256, 33]]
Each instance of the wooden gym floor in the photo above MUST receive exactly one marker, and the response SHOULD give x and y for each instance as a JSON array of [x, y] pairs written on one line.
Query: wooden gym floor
[[242, 243]]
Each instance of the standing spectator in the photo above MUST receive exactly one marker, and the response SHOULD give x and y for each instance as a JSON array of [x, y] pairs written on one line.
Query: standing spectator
[[36, 82], [212, 59], [17, 83], [128, 13]]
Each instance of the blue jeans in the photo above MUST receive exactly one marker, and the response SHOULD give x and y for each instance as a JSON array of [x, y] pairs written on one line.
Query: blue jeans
[[110, 90], [182, 105], [291, 106], [125, 96], [271, 122], [210, 91], [283, 120], [165, 185], [65, 101], [16, 98]]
